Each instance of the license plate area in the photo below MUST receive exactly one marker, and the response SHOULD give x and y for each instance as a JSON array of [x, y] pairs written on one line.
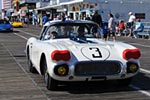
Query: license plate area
[[99, 78]]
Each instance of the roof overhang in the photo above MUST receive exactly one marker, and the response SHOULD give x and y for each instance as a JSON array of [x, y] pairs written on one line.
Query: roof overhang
[[48, 7], [60, 4], [72, 2]]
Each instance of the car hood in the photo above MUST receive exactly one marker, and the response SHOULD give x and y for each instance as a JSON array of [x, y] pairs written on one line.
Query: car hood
[[96, 50]]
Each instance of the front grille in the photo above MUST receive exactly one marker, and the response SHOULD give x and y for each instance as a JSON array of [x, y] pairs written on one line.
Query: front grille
[[94, 68]]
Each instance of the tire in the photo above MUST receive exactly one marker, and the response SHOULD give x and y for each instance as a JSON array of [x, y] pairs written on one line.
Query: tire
[[30, 66], [125, 82], [51, 84]]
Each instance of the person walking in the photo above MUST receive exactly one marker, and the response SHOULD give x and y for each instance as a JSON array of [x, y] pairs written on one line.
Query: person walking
[[130, 24], [97, 18], [111, 27]]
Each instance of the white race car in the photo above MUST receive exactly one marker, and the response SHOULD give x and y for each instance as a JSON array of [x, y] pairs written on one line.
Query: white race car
[[69, 51]]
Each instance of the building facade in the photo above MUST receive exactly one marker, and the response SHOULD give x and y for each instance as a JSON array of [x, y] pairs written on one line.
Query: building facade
[[6, 4], [74, 8], [121, 8]]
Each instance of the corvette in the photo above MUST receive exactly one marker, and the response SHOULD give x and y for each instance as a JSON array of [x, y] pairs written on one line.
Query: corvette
[[70, 51]]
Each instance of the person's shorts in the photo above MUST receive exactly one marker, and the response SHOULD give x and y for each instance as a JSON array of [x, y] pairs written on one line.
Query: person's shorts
[[111, 33], [104, 35], [130, 24]]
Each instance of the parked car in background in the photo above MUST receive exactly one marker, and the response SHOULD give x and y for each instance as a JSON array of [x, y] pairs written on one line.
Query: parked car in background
[[69, 51], [17, 23], [5, 25]]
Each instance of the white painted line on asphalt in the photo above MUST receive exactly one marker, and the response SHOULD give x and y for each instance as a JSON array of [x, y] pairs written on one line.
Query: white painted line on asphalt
[[148, 46], [21, 36], [139, 90], [27, 33], [144, 70]]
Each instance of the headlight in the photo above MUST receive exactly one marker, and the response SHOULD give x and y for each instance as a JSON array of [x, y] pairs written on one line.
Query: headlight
[[132, 67], [61, 70]]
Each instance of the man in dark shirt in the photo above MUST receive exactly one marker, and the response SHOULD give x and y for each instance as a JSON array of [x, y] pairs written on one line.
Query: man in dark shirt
[[45, 19], [97, 18]]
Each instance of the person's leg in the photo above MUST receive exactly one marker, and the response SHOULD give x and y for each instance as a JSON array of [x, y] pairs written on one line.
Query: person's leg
[[130, 29], [138, 30], [113, 36], [135, 33], [105, 36], [108, 36], [121, 31], [117, 30], [130, 32]]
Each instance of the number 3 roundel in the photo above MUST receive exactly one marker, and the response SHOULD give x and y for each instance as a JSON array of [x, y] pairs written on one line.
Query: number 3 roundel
[[95, 53]]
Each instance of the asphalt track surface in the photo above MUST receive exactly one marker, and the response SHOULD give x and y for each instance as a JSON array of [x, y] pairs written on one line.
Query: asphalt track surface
[[17, 83]]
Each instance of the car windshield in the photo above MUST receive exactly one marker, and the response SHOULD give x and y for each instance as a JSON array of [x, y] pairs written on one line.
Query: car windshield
[[4, 22], [71, 30]]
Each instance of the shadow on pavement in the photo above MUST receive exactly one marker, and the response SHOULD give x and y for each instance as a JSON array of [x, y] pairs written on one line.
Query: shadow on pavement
[[141, 81]]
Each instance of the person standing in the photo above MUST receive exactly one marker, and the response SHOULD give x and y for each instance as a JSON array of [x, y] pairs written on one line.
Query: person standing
[[34, 19], [131, 21], [26, 20], [111, 27], [63, 17], [44, 19], [97, 18]]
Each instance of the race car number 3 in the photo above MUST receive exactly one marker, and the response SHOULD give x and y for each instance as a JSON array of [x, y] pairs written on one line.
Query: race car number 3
[[96, 52]]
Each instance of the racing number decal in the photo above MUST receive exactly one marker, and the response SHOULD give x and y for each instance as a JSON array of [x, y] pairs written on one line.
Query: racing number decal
[[98, 53]]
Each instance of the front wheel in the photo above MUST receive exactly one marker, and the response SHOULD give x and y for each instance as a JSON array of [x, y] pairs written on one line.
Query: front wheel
[[51, 84], [30, 66]]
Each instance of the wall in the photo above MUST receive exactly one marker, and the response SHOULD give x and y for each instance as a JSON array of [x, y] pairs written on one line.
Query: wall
[[120, 9]]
